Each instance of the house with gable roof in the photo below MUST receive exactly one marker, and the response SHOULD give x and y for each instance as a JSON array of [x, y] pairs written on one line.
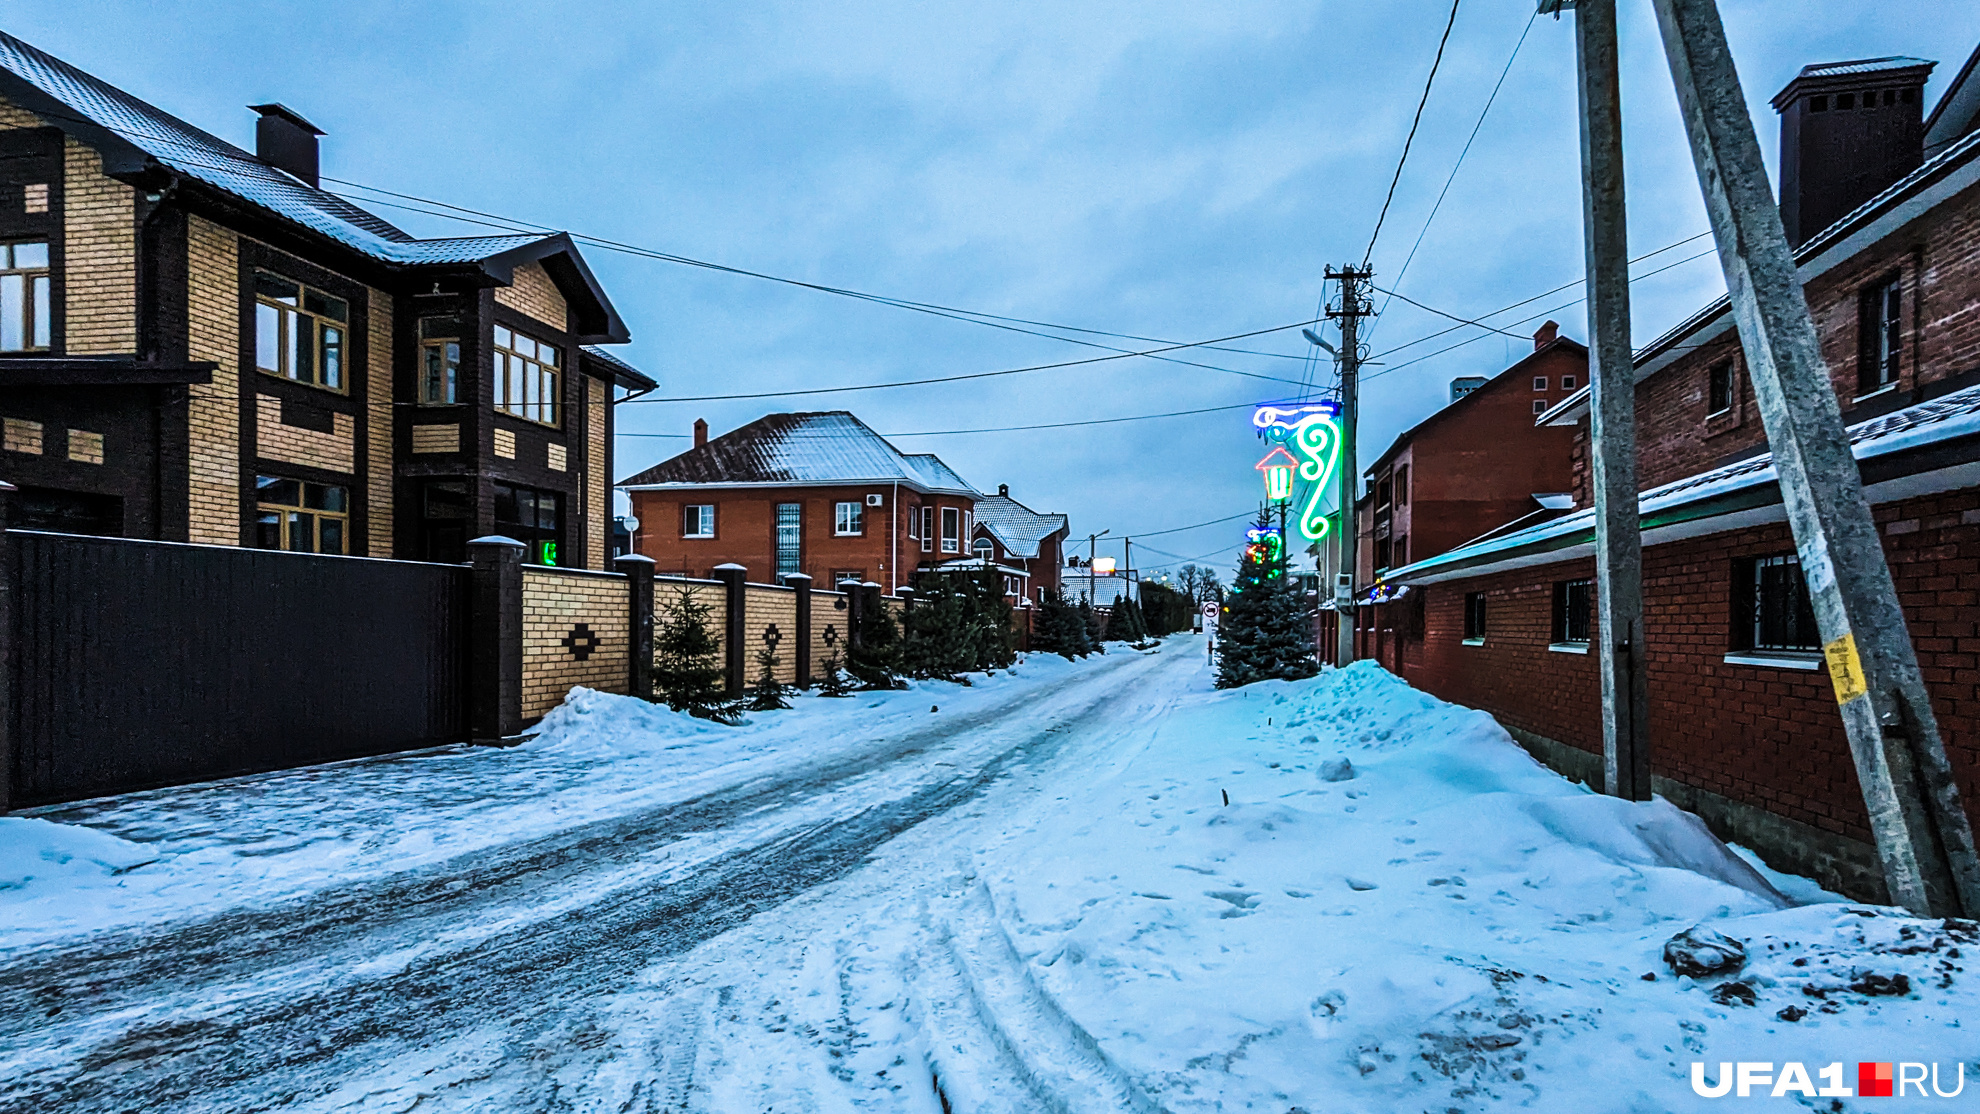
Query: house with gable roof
[[1030, 546], [815, 493], [199, 343]]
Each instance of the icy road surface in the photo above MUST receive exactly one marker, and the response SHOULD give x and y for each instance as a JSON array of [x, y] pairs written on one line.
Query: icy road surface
[[1025, 895]]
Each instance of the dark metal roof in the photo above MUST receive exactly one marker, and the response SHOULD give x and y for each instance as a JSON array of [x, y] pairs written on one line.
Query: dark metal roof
[[827, 447], [623, 373], [138, 139]]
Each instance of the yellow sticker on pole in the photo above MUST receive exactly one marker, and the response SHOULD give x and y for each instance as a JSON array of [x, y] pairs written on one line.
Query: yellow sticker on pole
[[1845, 668]]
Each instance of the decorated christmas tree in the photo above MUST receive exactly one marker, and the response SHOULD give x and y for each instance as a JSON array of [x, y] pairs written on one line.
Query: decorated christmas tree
[[1266, 632]]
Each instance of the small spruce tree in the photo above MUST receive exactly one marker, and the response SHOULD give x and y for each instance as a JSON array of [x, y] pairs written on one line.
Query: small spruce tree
[[685, 669], [874, 658], [1266, 632], [833, 683], [1090, 628], [769, 696]]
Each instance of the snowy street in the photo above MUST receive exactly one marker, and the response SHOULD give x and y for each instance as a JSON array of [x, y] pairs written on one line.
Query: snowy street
[[1091, 886]]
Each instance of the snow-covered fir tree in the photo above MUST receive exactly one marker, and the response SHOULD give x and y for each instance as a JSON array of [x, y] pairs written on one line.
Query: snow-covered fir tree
[[1266, 632]]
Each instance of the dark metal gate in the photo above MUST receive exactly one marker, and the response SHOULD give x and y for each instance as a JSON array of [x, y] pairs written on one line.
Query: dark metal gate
[[138, 663]]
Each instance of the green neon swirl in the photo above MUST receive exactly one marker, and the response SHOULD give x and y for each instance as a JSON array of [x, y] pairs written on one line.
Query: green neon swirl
[[1318, 439]]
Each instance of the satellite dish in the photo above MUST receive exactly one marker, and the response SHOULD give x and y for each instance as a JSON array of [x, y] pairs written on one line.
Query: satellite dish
[[1314, 337]]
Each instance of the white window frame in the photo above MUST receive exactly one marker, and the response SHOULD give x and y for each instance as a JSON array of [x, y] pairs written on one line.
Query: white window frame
[[952, 529], [927, 529], [1539, 382], [849, 518], [704, 520]]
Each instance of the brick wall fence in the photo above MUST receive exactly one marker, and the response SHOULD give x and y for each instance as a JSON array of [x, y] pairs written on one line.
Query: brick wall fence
[[1758, 751], [575, 631]]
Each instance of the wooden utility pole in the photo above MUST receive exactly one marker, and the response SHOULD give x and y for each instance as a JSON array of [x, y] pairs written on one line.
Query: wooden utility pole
[[1612, 405], [1352, 309], [1924, 838]]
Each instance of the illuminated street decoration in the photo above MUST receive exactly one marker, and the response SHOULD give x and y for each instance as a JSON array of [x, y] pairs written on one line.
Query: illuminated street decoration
[[1278, 467], [1265, 545], [1309, 429]]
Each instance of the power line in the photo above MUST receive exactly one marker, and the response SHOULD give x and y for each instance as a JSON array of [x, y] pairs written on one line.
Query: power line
[[1198, 526], [1452, 316], [1018, 428], [1411, 138], [975, 374]]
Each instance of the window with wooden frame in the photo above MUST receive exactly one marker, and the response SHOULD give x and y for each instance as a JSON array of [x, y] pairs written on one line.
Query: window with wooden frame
[[698, 520], [299, 516], [1474, 618], [439, 360], [1719, 389], [534, 518], [1771, 607], [300, 332], [26, 324], [527, 376], [1573, 611], [952, 529], [928, 529], [1880, 309], [848, 518]]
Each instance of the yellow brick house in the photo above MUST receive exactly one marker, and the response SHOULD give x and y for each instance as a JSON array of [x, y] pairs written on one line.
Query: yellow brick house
[[198, 343]]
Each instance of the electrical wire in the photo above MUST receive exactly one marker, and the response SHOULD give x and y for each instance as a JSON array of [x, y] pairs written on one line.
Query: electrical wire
[[1411, 138], [1019, 428]]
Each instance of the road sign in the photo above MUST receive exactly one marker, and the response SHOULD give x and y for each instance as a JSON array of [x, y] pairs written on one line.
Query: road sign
[[1209, 610]]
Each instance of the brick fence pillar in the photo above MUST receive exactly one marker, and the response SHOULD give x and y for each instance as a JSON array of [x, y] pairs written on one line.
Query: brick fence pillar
[[495, 638], [733, 634], [855, 607], [801, 584], [7, 604], [639, 627]]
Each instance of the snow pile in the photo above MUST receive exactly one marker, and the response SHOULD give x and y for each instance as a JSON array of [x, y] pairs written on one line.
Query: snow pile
[[35, 854], [1451, 926]]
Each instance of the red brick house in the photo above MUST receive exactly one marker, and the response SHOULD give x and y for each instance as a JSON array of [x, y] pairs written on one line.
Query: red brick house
[[1477, 464], [1012, 536], [816, 493], [1743, 719]]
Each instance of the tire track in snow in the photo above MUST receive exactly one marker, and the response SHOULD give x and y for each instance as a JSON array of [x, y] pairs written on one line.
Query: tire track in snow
[[270, 1045]]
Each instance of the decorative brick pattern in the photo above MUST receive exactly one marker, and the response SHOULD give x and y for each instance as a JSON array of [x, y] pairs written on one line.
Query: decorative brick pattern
[[378, 506], [99, 249], [34, 197], [13, 117], [436, 438], [85, 447], [574, 633], [505, 443], [765, 606], [335, 451], [597, 493], [533, 293], [213, 411], [23, 436], [557, 459]]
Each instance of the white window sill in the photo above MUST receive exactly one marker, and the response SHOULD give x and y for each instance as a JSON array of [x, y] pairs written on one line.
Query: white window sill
[[1472, 642], [848, 533], [1568, 647], [1878, 393], [1810, 660], [1718, 414], [698, 537]]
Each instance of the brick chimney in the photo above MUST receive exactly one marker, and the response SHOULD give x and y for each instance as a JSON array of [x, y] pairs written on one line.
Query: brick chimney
[[1545, 335], [700, 432], [1004, 490], [1848, 130], [286, 141]]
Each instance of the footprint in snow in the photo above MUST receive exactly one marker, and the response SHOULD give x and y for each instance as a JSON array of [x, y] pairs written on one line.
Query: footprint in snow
[[1360, 884]]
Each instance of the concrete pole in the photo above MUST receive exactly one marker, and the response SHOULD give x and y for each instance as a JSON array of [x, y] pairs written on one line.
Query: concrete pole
[[1350, 313], [1924, 838], [1612, 380]]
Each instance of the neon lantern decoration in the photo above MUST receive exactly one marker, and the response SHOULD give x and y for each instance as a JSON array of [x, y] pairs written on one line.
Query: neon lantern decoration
[[1278, 467], [1308, 429]]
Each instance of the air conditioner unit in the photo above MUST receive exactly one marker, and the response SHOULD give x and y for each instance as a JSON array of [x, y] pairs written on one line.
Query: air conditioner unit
[[875, 500]]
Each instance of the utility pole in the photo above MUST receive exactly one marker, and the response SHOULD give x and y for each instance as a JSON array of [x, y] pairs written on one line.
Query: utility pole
[[1612, 384], [1352, 309], [1924, 838]]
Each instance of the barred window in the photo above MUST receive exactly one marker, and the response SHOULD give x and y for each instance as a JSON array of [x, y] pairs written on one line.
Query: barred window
[[1474, 616], [1573, 610], [1771, 608]]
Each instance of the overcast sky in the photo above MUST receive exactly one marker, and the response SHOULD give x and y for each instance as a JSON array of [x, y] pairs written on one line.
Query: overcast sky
[[1174, 170]]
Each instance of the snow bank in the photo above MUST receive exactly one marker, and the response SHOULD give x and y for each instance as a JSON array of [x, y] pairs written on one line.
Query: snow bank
[[36, 854], [1454, 926]]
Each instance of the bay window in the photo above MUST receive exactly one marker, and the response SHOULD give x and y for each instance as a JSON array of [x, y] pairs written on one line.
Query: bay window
[[526, 376]]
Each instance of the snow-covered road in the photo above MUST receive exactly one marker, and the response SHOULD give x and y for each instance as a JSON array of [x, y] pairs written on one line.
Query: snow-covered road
[[1079, 887]]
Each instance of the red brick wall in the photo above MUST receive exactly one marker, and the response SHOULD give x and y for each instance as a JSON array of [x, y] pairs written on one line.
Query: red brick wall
[[1761, 736], [745, 533], [1938, 260]]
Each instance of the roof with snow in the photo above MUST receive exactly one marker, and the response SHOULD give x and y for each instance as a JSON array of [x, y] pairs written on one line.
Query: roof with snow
[[828, 447], [1018, 528], [1939, 436], [140, 141]]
